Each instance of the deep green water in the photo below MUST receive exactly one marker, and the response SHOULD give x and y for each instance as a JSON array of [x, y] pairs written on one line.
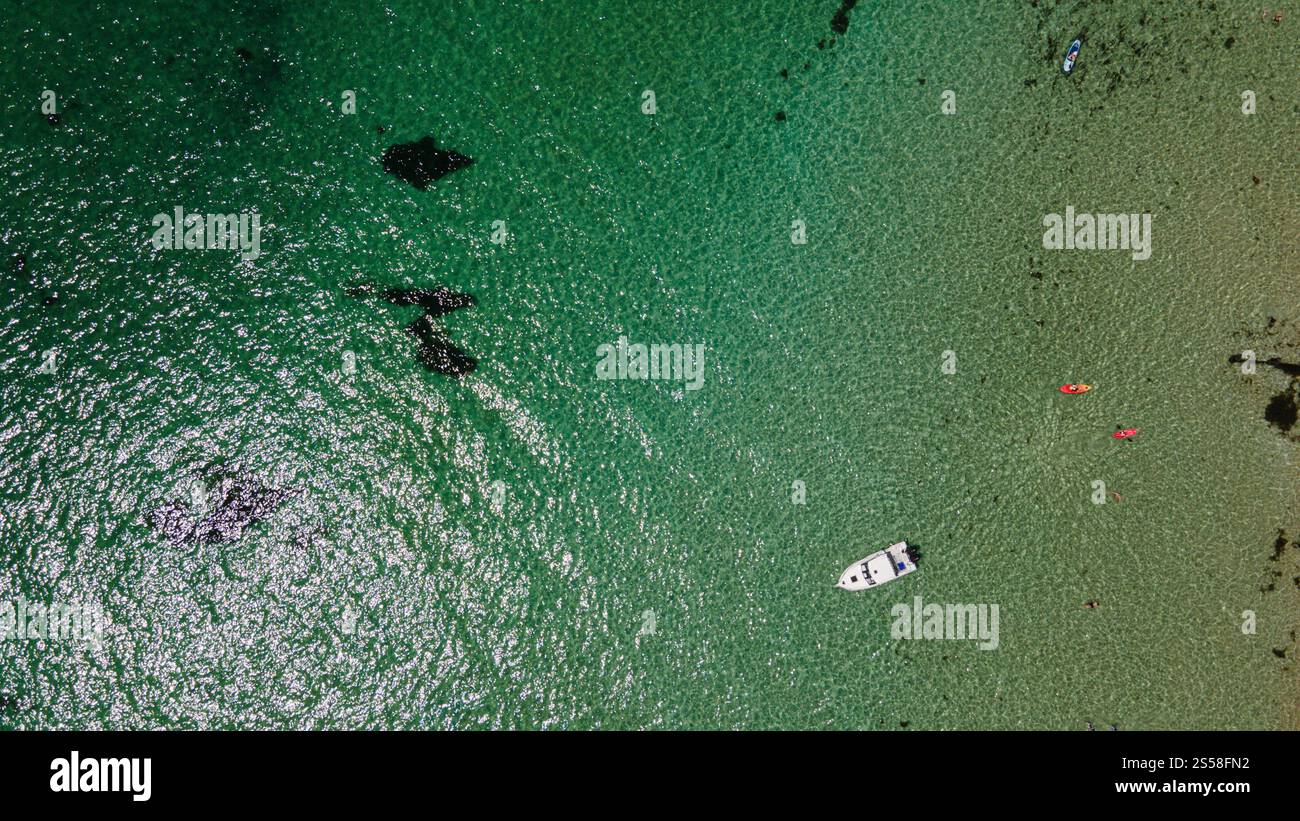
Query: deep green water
[[822, 364]]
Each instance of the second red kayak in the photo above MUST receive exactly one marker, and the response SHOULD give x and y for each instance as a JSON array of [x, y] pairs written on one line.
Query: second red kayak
[[1072, 388], [1124, 434]]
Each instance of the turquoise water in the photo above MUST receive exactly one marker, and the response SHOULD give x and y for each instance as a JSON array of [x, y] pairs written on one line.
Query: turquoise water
[[646, 565]]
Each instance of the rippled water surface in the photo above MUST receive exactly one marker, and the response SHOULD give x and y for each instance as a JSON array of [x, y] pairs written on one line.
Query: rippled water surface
[[529, 546]]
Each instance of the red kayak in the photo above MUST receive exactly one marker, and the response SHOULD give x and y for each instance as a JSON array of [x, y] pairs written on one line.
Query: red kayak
[[1124, 434], [1072, 389]]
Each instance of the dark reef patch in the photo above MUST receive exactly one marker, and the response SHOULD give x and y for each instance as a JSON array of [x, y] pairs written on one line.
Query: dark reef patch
[[1288, 368], [1279, 546], [1281, 411], [436, 352], [840, 22], [422, 162], [240, 502], [436, 302]]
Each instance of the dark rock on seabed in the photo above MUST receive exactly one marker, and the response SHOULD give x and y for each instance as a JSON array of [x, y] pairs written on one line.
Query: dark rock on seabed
[[1282, 411], [436, 302], [436, 352], [422, 162], [1288, 368], [240, 503], [840, 22], [1279, 546]]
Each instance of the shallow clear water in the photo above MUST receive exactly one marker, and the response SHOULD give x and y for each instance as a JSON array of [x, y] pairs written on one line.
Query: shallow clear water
[[646, 566]]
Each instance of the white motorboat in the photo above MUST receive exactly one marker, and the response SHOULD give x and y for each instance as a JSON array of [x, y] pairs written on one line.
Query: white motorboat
[[893, 562]]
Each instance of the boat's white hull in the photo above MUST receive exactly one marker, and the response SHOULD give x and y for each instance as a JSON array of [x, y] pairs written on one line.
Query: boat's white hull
[[879, 568]]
